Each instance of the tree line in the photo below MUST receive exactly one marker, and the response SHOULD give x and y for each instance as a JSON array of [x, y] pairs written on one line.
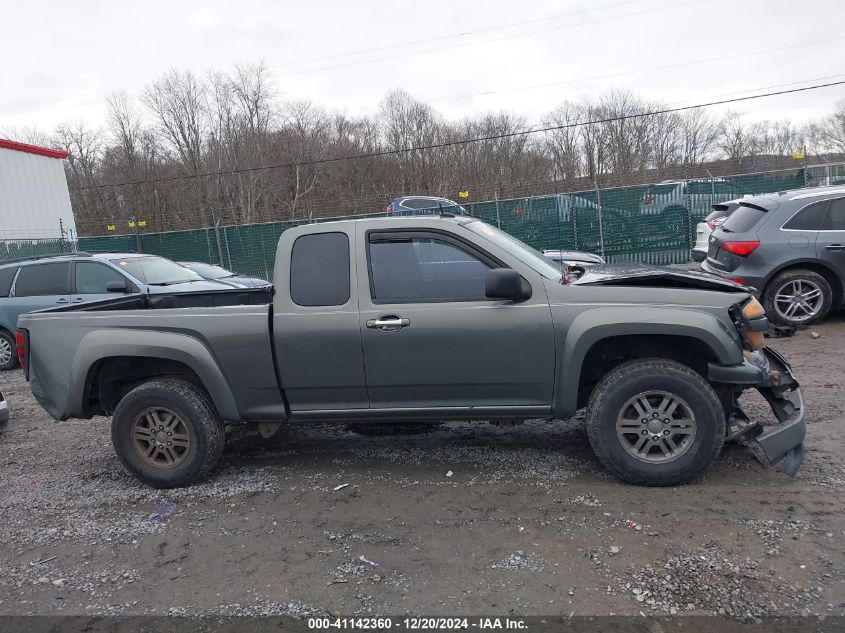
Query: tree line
[[194, 141]]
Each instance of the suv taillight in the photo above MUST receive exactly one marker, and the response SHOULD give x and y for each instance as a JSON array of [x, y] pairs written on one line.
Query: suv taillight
[[22, 343], [717, 222], [390, 209], [648, 199], [743, 249]]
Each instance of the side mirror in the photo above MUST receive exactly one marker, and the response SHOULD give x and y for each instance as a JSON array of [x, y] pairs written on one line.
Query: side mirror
[[506, 283], [117, 286]]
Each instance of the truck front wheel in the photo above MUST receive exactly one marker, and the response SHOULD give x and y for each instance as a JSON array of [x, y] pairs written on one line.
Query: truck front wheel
[[655, 422], [167, 433]]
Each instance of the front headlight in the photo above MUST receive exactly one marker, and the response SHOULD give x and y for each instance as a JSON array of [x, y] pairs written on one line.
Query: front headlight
[[753, 309], [753, 324]]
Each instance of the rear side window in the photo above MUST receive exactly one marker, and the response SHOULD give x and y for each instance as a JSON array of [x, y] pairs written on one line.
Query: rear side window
[[835, 219], [42, 280], [6, 277], [809, 218], [319, 270], [743, 219]]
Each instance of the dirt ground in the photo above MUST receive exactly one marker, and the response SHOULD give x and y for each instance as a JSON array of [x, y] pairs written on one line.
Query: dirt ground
[[455, 519]]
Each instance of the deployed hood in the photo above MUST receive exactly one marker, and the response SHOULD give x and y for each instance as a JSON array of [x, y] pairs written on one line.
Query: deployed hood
[[652, 276]]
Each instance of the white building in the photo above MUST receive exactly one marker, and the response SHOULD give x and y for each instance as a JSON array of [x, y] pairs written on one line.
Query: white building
[[34, 199]]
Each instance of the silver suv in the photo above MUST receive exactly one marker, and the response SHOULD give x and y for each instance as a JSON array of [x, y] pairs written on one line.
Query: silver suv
[[790, 246]]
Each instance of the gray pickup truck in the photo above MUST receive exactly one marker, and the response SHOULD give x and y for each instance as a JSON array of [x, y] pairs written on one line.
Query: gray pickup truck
[[425, 319]]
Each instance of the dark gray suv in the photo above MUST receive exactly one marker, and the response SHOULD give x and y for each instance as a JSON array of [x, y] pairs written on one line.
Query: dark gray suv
[[791, 247]]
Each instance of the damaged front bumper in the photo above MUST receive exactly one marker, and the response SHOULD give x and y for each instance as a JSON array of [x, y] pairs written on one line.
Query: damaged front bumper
[[770, 373]]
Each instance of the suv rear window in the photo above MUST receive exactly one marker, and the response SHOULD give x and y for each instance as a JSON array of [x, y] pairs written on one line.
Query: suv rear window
[[43, 280], [743, 219], [319, 270], [6, 277]]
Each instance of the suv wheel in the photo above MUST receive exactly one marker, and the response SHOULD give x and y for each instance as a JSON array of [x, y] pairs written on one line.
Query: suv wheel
[[797, 297], [8, 351], [655, 422], [167, 433]]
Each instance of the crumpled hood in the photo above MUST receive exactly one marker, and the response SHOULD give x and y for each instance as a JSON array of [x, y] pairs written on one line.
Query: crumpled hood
[[653, 276]]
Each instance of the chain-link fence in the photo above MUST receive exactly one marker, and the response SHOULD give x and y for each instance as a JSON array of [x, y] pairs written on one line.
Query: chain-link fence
[[652, 223]]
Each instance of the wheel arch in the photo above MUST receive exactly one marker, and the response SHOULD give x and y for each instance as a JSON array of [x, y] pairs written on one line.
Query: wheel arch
[[599, 341], [837, 284], [111, 362]]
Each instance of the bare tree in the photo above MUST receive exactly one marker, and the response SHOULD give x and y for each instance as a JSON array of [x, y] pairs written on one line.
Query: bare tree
[[829, 133], [178, 101]]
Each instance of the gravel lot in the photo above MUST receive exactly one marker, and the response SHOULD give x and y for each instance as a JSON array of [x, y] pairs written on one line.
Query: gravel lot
[[459, 518]]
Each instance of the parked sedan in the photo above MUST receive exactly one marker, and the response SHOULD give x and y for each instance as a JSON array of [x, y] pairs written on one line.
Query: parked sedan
[[218, 273], [704, 228]]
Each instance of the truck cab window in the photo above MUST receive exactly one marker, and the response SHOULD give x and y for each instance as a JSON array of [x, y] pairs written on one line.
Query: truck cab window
[[319, 270], [424, 269]]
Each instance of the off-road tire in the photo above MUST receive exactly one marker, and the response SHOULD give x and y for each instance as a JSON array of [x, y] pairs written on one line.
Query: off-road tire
[[638, 376], [196, 410], [796, 274], [13, 361]]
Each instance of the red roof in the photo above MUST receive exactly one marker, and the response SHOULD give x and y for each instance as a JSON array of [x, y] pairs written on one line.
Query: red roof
[[32, 149]]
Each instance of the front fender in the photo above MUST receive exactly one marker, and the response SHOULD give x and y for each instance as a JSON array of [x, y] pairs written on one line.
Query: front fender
[[594, 325], [109, 343]]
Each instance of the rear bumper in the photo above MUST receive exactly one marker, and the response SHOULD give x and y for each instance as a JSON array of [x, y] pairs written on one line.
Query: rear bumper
[[753, 281], [771, 375], [4, 413], [698, 255]]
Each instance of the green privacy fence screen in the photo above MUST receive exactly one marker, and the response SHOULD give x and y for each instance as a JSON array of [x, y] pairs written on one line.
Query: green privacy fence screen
[[652, 223]]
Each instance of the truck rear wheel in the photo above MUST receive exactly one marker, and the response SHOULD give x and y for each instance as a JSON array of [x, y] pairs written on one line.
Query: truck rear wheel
[[655, 422], [167, 433]]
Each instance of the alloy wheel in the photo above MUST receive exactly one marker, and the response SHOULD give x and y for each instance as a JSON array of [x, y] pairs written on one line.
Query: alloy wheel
[[160, 437], [798, 300], [5, 351], [656, 426]]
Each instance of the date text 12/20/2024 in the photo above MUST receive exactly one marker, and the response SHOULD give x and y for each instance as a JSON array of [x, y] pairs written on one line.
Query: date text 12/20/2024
[[418, 624]]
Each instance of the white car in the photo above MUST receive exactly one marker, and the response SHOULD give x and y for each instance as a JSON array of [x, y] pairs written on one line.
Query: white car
[[704, 228], [4, 411], [575, 258]]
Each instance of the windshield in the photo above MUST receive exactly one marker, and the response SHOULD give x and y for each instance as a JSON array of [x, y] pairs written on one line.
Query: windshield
[[208, 271], [156, 271], [524, 253]]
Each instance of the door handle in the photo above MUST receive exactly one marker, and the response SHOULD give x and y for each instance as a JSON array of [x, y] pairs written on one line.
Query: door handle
[[78, 300], [835, 247], [62, 301], [388, 323]]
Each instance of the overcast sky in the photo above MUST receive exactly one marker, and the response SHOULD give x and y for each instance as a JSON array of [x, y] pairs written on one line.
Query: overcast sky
[[59, 59]]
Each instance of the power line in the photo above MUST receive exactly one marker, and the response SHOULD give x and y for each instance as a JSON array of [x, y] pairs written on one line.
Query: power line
[[618, 74], [494, 39], [89, 98], [480, 139], [452, 35]]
